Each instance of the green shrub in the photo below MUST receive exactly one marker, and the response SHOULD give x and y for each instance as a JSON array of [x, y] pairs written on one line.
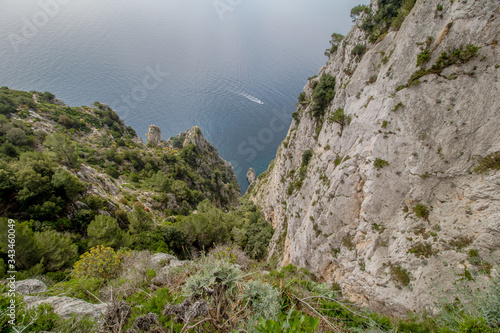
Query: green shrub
[[258, 236], [263, 298], [47, 96], [400, 275], [353, 319], [306, 157], [334, 42], [64, 149], [474, 325], [177, 142], [489, 162], [140, 221], [358, 50], [422, 249], [210, 226], [113, 172], [323, 94], [461, 242], [380, 163], [404, 10], [357, 11], [175, 239], [27, 252], [101, 262], [79, 288], [457, 56], [490, 309], [9, 150], [297, 322], [213, 274], [71, 184], [104, 230], [7, 109], [422, 211], [3, 268], [340, 118], [389, 13], [16, 136], [347, 242], [411, 326], [56, 250], [302, 97], [397, 106], [423, 57]]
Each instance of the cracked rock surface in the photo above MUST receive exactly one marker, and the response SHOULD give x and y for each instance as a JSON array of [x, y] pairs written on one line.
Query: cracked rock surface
[[390, 205]]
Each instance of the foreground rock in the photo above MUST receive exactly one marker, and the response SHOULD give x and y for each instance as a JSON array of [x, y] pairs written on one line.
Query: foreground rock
[[66, 307], [29, 287], [160, 258], [167, 260]]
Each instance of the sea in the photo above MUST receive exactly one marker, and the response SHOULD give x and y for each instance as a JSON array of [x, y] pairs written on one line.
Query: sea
[[233, 67]]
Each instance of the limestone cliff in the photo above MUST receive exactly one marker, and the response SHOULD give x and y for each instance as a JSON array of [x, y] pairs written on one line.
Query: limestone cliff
[[381, 192]]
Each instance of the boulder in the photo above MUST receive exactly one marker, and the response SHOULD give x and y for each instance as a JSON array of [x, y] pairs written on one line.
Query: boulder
[[32, 286], [162, 257], [66, 307]]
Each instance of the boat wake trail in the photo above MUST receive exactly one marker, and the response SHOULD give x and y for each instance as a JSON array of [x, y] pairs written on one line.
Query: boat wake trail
[[251, 98]]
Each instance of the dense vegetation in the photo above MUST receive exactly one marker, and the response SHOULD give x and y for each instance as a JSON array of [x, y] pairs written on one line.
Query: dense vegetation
[[57, 171], [225, 291], [390, 14]]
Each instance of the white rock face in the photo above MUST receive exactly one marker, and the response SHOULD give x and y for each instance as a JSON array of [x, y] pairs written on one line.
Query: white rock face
[[154, 135], [251, 176], [67, 306], [366, 228], [159, 258], [31, 286]]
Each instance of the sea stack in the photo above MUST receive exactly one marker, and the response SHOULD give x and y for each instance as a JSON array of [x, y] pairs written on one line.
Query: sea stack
[[154, 135]]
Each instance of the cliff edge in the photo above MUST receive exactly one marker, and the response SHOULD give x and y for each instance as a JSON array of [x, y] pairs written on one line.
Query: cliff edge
[[388, 181]]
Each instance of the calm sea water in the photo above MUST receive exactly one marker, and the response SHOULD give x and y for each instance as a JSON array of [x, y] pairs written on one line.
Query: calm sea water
[[233, 67]]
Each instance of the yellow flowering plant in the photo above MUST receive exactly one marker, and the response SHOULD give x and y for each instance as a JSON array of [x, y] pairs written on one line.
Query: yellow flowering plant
[[99, 261]]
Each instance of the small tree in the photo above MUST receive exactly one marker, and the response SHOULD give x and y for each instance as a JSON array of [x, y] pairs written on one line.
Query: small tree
[[27, 253], [71, 185], [16, 136], [56, 249], [357, 11], [104, 230], [323, 94], [140, 221], [64, 149]]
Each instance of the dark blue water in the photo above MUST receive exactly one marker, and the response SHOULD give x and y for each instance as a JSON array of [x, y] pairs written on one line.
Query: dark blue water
[[176, 63]]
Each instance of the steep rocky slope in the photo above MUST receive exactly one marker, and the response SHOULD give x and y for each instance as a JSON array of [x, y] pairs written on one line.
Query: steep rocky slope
[[71, 163], [392, 190]]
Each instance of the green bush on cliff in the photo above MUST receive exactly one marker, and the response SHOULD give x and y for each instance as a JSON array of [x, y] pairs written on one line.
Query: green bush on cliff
[[323, 94], [390, 13]]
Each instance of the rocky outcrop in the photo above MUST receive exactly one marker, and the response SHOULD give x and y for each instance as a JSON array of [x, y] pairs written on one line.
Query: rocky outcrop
[[66, 307], [389, 205], [29, 287], [251, 176], [154, 135], [210, 165]]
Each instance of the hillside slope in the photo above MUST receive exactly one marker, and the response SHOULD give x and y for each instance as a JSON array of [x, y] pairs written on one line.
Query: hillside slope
[[64, 165], [388, 182]]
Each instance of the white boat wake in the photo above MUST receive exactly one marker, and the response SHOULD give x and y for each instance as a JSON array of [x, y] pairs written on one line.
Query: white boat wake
[[251, 98]]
